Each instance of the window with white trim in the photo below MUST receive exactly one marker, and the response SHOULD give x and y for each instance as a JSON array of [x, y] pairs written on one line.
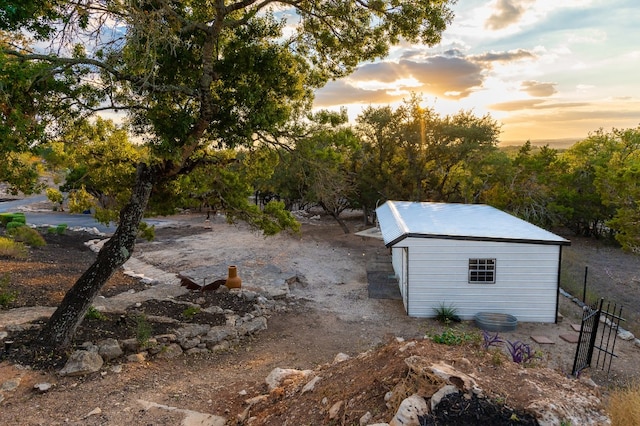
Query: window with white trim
[[482, 271]]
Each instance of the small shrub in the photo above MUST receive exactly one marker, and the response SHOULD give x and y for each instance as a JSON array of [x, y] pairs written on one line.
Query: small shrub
[[143, 330], [623, 405], [27, 235], [6, 296], [6, 218], [190, 312], [520, 352], [93, 313], [55, 197], [13, 249], [489, 340], [496, 359], [61, 228], [446, 314], [14, 225]]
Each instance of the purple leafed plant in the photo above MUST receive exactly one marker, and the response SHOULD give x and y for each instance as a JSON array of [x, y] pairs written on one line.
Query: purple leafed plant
[[520, 352], [489, 340]]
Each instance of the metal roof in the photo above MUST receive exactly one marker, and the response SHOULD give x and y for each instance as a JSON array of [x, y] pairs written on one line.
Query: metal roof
[[401, 219]]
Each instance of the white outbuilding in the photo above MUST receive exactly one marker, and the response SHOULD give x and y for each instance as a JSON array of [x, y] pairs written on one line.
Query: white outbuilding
[[472, 257]]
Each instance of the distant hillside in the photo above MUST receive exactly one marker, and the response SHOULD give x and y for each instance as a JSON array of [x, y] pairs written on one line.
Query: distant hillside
[[558, 144]]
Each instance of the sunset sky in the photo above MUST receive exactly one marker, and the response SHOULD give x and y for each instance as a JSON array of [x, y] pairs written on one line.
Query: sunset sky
[[544, 69]]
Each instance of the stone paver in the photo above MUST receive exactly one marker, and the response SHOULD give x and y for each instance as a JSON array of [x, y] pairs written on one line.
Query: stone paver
[[571, 338], [542, 340]]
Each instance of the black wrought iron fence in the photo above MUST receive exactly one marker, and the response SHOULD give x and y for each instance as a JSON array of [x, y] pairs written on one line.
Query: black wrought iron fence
[[598, 330]]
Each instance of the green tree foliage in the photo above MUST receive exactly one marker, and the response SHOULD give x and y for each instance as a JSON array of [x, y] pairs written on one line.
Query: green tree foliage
[[525, 186], [192, 76], [578, 201], [18, 116], [318, 165], [101, 164], [413, 153], [619, 186]]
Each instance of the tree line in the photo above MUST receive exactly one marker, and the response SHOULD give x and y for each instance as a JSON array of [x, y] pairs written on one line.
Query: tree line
[[407, 153]]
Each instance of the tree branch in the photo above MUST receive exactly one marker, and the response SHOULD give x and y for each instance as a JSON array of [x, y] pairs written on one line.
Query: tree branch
[[137, 81]]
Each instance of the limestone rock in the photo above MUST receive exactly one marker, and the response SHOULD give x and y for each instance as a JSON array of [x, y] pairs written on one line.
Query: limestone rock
[[253, 326], [137, 357], [441, 393], [131, 345], [625, 334], [196, 351], [365, 419], [170, 351], [409, 410], [189, 343], [452, 376], [576, 409], [340, 358], [11, 385], [310, 386], [193, 330], [279, 375], [166, 338], [42, 387], [334, 411], [81, 363], [109, 349], [217, 334], [94, 412]]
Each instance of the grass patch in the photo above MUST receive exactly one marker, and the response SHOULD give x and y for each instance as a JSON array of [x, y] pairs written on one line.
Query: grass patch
[[6, 296], [93, 313], [58, 229], [27, 235], [451, 337], [143, 330], [190, 312], [12, 249], [623, 405]]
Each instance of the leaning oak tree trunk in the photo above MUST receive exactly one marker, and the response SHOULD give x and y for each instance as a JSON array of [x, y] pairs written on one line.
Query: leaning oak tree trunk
[[61, 327]]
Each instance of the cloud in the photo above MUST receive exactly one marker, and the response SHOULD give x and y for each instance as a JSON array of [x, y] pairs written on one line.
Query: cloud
[[442, 75], [385, 72], [533, 104], [340, 92], [506, 56], [538, 89], [449, 75], [506, 12]]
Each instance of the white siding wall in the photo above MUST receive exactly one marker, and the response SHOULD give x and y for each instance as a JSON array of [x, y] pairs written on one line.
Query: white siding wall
[[399, 262], [525, 287]]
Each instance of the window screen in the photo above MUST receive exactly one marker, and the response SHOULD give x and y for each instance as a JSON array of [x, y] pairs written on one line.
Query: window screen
[[482, 271]]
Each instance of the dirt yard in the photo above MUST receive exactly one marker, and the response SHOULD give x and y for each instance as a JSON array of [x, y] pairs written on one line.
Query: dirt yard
[[328, 312]]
